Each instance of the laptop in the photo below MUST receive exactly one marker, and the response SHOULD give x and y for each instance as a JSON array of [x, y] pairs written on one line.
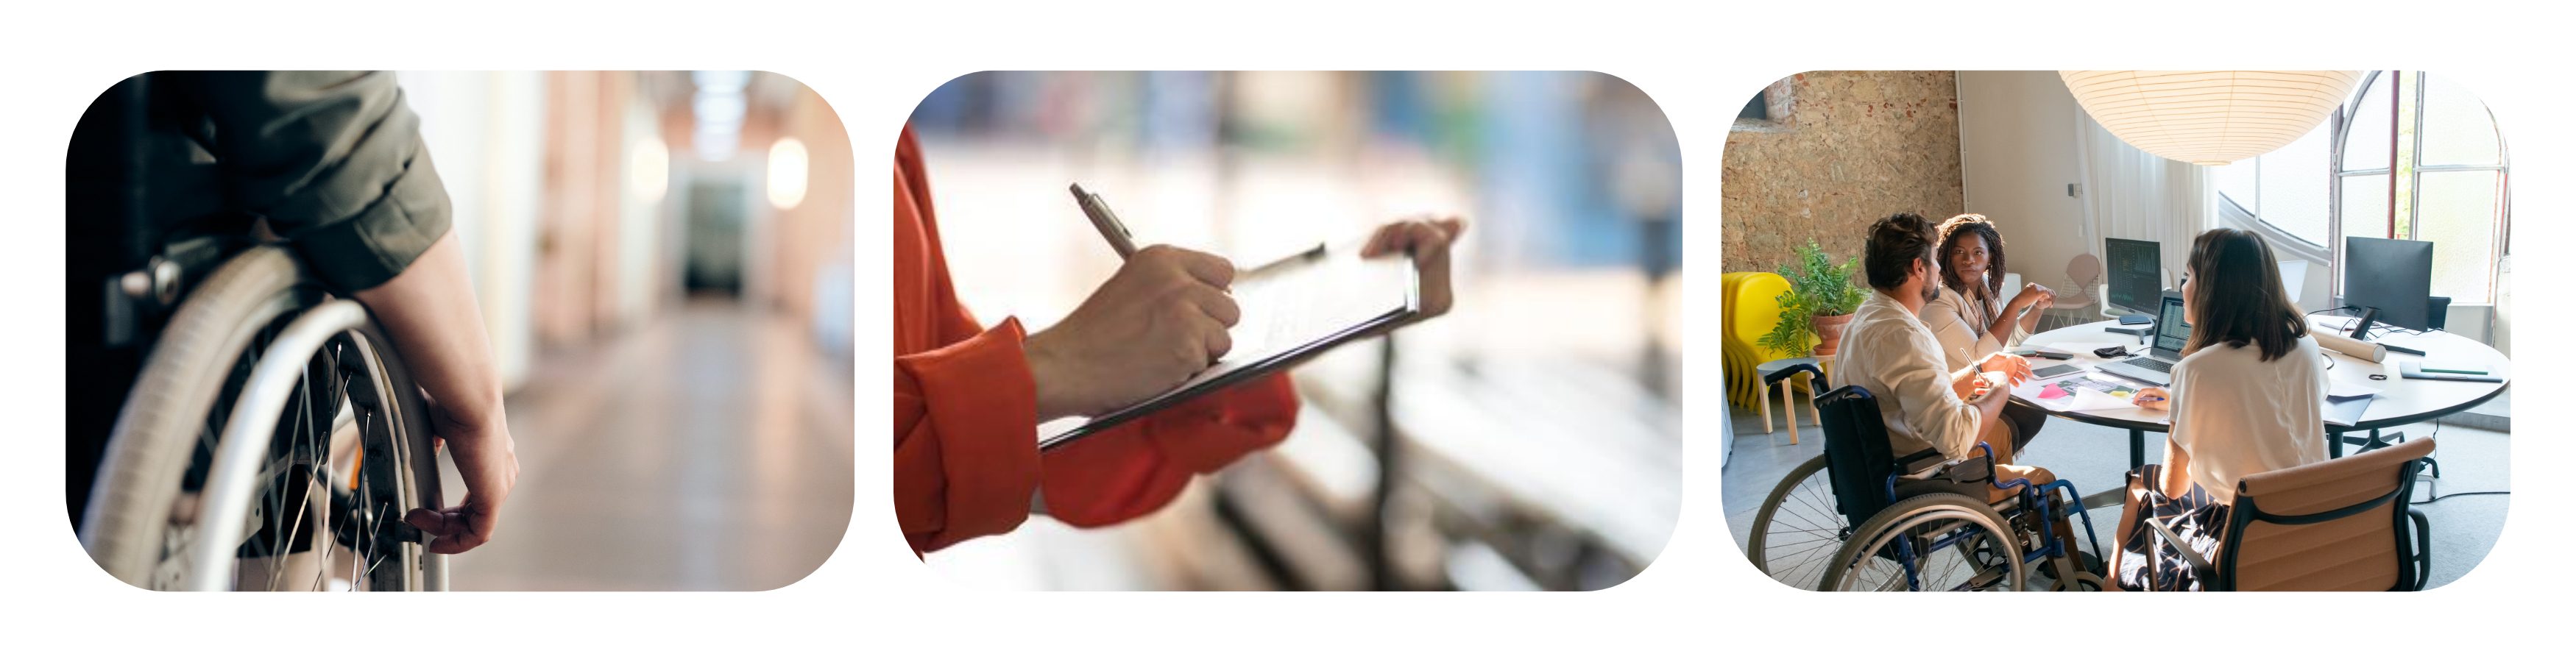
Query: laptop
[[2156, 367]]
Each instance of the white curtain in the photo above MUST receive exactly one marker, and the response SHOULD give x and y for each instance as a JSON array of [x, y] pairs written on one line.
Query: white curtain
[[2131, 194]]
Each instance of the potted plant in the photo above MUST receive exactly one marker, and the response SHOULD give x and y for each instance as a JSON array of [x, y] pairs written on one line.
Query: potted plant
[[1819, 303]]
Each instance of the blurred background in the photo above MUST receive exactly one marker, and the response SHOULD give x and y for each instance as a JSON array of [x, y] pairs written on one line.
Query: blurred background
[[1530, 439], [664, 261]]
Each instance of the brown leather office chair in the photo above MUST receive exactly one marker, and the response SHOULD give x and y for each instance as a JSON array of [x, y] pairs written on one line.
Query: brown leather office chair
[[2337, 525]]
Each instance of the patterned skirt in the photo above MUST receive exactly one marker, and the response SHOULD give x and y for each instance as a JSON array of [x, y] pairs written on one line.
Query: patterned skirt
[[2149, 563]]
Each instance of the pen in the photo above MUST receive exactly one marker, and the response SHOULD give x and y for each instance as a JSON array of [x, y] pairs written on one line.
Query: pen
[[1105, 221]]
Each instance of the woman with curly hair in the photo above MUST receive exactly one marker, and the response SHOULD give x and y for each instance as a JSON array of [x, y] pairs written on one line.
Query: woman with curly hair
[[1970, 317]]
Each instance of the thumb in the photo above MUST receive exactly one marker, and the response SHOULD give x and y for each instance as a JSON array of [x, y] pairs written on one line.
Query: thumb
[[1452, 226], [434, 523]]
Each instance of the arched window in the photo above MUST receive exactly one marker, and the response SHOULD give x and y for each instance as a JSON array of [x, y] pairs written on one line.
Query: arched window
[[2287, 189], [2438, 144]]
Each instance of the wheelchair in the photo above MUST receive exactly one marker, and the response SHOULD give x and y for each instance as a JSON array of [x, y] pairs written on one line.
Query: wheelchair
[[1805, 534], [273, 441]]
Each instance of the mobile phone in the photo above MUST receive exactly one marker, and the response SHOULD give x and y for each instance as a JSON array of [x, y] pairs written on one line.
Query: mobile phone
[[2054, 356], [2135, 319], [2054, 370]]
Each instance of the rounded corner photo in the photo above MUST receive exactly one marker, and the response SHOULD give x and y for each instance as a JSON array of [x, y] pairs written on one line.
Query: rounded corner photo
[[1287, 330], [2116, 330], [602, 344]]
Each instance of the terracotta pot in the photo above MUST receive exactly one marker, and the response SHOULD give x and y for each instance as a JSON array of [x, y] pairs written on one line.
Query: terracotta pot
[[1829, 333]]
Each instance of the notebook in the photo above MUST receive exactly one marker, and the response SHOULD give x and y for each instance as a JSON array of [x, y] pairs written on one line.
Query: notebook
[[1293, 308]]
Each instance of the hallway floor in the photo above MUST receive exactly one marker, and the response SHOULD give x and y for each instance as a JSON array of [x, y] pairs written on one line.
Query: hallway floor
[[709, 449]]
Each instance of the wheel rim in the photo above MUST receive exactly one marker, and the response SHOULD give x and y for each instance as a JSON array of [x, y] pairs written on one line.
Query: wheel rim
[[1944, 545], [331, 487], [1798, 529]]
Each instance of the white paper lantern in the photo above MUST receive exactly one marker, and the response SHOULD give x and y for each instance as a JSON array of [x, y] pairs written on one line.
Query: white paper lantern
[[2210, 117]]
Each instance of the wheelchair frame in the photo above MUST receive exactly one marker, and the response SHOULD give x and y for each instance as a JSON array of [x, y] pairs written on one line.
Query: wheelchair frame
[[1856, 438]]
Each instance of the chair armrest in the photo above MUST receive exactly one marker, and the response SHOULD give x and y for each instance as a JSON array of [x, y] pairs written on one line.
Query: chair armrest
[[2208, 573], [2423, 548], [1990, 470], [1784, 373]]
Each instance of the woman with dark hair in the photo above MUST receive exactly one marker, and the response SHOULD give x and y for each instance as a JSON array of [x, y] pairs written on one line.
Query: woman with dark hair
[[1970, 318], [2245, 399]]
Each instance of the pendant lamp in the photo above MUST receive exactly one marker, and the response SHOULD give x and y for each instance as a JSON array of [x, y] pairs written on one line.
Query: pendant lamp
[[2210, 117]]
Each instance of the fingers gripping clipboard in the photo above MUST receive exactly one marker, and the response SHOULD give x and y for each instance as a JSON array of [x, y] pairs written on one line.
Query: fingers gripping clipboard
[[1293, 309]]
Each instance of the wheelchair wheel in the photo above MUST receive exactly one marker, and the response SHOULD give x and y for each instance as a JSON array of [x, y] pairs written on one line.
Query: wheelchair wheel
[[271, 442], [1932, 542], [1798, 528]]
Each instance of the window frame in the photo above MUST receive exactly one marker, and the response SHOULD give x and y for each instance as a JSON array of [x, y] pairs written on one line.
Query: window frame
[[2252, 218], [2343, 127]]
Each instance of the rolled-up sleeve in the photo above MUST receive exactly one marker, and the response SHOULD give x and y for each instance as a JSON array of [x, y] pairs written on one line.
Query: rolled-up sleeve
[[966, 447], [332, 159]]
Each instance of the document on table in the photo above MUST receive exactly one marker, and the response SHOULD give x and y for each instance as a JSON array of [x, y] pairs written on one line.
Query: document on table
[[2336, 389], [2347, 410], [1292, 309], [2070, 394]]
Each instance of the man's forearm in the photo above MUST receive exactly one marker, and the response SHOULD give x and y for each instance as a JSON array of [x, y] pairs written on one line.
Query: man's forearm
[[1989, 413], [429, 311]]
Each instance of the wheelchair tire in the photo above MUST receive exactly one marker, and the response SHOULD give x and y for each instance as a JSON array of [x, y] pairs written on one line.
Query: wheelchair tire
[[310, 498], [1798, 528], [1863, 564]]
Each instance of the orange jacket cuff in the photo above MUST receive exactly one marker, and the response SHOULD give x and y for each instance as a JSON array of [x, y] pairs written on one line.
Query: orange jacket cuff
[[982, 403]]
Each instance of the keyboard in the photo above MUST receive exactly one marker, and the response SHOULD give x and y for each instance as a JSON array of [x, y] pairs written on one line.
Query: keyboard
[[2150, 363]]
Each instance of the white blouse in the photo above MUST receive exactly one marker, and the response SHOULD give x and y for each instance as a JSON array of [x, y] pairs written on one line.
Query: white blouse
[[2238, 415], [1963, 338]]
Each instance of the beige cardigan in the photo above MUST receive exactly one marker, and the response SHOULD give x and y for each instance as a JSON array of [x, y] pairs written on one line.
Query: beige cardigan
[[1962, 340]]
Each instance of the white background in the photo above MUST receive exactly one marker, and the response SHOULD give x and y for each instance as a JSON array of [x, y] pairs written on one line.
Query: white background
[[873, 600]]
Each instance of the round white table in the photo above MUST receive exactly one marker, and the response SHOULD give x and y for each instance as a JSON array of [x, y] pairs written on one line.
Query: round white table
[[2401, 401]]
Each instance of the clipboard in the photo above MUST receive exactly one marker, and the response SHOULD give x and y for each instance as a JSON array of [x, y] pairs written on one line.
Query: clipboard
[[1359, 296]]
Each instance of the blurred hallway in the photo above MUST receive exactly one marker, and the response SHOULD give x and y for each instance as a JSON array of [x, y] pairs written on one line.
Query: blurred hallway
[[706, 450]]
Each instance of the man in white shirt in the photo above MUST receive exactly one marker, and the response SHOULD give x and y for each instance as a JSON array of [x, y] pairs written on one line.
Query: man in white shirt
[[1889, 351]]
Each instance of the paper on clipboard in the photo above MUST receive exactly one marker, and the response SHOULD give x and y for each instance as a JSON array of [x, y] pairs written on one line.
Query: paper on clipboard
[[1292, 308]]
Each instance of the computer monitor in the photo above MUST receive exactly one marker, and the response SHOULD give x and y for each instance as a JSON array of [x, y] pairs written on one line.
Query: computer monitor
[[2135, 274], [2394, 276]]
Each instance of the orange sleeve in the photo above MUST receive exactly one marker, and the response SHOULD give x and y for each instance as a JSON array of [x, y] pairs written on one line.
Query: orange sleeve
[[1134, 469], [966, 462], [965, 454], [965, 406]]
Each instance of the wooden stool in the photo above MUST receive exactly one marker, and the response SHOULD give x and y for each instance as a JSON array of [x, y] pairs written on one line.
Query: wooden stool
[[1775, 372]]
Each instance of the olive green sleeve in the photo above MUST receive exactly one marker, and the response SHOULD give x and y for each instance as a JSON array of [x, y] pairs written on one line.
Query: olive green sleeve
[[333, 159]]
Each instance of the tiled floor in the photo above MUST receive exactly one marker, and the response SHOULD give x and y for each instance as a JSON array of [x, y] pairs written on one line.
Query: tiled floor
[[707, 450]]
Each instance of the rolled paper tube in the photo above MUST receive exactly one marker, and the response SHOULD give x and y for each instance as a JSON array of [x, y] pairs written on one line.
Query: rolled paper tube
[[2335, 340]]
